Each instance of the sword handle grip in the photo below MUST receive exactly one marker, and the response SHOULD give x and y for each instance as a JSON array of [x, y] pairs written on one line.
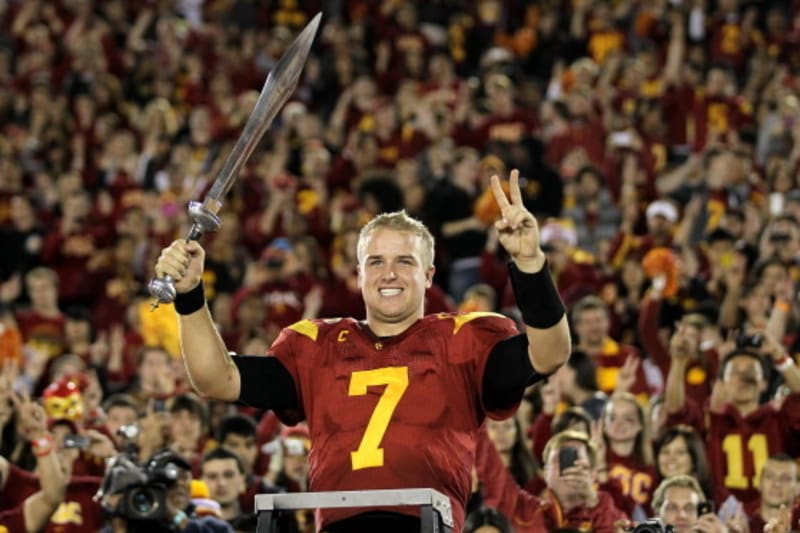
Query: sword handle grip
[[163, 289]]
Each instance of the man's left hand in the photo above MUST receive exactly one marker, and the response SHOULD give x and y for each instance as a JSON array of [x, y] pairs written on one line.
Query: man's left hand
[[517, 228], [710, 523]]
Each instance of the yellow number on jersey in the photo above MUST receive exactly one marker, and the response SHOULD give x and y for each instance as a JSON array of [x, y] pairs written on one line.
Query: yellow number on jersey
[[732, 446], [369, 452]]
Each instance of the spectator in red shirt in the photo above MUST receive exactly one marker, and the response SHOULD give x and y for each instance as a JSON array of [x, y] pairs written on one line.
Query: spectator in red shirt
[[570, 500], [676, 502], [628, 451], [42, 325], [591, 323], [740, 431], [778, 489]]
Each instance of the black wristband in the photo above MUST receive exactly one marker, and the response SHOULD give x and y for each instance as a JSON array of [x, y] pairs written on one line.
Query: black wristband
[[189, 302], [537, 297]]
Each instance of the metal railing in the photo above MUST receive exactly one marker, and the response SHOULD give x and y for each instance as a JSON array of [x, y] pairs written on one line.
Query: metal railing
[[435, 511]]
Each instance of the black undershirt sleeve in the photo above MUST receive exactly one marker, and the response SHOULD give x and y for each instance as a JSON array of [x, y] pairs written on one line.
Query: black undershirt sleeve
[[265, 383], [508, 372]]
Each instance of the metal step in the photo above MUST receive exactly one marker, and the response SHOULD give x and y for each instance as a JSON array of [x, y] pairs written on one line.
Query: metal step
[[435, 510]]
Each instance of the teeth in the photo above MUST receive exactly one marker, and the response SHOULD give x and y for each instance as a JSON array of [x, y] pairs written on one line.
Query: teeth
[[390, 292]]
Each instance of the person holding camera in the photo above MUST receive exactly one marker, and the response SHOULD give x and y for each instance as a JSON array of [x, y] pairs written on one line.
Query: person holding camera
[[570, 499], [740, 432], [394, 401], [153, 498], [680, 504]]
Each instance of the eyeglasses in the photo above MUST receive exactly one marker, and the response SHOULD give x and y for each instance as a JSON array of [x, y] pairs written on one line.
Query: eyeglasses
[[689, 508]]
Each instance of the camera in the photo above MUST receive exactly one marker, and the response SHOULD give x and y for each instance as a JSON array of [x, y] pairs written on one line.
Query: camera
[[141, 503], [141, 489], [80, 442], [652, 525], [779, 237], [744, 340]]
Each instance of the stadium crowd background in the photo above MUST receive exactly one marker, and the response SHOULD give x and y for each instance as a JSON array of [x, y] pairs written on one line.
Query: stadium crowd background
[[657, 144]]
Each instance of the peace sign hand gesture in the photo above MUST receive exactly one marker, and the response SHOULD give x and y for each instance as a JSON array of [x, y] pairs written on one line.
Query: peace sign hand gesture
[[517, 227]]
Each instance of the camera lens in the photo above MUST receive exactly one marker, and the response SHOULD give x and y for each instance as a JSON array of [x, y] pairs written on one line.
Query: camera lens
[[143, 502]]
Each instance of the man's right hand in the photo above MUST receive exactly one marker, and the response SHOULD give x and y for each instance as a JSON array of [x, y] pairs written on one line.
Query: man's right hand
[[683, 342], [183, 262]]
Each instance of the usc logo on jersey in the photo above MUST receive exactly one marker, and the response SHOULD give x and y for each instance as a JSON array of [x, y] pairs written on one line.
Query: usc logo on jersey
[[343, 335], [637, 485]]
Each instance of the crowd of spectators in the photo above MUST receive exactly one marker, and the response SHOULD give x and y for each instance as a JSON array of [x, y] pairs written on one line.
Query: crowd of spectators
[[659, 148]]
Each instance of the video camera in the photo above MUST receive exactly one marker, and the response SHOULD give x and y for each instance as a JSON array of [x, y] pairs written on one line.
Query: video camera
[[652, 525], [141, 489]]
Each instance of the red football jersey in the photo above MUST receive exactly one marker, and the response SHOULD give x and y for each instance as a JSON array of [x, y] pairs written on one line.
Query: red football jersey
[[739, 446], [399, 412], [12, 520], [638, 482], [78, 513]]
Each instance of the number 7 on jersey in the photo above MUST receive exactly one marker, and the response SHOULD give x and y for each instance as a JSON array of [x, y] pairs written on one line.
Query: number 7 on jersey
[[369, 452]]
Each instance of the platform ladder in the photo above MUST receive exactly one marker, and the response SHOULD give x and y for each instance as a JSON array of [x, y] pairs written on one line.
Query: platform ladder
[[435, 511]]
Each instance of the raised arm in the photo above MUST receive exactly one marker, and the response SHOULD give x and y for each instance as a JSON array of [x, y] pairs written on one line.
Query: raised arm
[[542, 310], [39, 507], [208, 363], [680, 349]]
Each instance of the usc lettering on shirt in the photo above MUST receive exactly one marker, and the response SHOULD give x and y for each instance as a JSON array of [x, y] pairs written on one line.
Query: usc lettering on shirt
[[637, 485], [67, 513]]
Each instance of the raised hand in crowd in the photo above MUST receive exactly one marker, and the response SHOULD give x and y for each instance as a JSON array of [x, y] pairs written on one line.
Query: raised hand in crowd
[[782, 523], [627, 374]]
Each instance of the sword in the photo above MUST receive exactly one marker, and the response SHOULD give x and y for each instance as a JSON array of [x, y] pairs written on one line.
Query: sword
[[278, 87]]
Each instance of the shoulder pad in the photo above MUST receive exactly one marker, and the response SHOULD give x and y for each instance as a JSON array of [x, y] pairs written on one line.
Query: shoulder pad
[[459, 319], [317, 328]]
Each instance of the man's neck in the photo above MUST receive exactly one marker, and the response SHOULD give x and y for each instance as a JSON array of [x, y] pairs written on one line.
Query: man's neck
[[592, 346], [769, 512], [230, 510], [48, 311], [746, 408], [383, 329]]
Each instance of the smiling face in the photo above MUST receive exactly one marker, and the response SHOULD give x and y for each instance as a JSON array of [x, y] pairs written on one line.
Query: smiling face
[[674, 458], [393, 276], [623, 420]]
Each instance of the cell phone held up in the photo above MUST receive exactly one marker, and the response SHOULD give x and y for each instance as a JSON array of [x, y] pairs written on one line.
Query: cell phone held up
[[74, 441], [567, 456], [705, 508]]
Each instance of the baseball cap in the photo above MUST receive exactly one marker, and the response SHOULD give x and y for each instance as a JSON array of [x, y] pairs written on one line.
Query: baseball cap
[[662, 208]]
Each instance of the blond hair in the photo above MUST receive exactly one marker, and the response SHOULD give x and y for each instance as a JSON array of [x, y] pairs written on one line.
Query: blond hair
[[679, 481], [558, 440], [398, 221], [44, 273]]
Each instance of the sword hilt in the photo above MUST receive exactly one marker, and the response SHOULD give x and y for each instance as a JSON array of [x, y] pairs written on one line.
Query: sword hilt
[[203, 221]]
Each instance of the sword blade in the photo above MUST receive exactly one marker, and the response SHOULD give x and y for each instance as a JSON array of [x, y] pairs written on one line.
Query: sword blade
[[278, 87]]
